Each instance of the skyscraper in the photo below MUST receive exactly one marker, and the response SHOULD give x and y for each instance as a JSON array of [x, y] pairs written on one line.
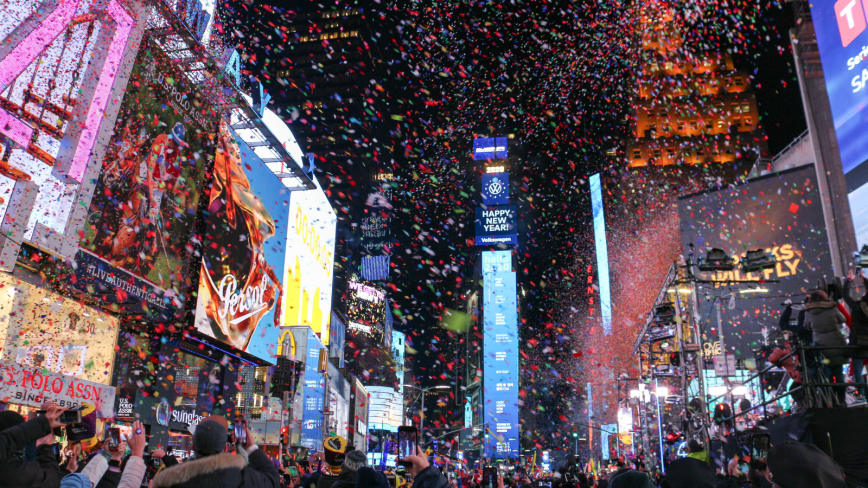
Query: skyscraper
[[690, 108]]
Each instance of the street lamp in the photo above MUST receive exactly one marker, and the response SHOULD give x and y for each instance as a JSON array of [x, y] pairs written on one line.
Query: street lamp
[[422, 411]]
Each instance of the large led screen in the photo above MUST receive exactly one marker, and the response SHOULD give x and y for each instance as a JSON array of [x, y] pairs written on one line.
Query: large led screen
[[500, 364], [146, 198], [496, 225], [314, 396], [842, 37], [489, 148], [779, 213], [243, 251], [310, 261]]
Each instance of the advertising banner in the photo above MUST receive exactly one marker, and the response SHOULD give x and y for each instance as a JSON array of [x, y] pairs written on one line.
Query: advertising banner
[[608, 437], [55, 334], [779, 213], [495, 188], [243, 252], [309, 264], [145, 201], [496, 225], [29, 385], [842, 39], [500, 365], [489, 148], [366, 310], [314, 397]]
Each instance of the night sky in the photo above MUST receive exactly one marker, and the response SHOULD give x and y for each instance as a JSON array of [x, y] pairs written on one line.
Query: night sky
[[559, 75]]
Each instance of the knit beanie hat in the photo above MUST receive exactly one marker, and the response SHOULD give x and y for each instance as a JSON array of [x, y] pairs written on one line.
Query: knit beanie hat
[[335, 448], [355, 460], [210, 437], [75, 480]]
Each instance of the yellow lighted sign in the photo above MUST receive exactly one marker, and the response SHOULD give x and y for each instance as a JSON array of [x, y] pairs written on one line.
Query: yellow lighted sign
[[494, 169]]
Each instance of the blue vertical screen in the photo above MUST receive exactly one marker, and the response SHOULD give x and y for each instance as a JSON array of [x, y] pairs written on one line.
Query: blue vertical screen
[[500, 366], [602, 253], [314, 393]]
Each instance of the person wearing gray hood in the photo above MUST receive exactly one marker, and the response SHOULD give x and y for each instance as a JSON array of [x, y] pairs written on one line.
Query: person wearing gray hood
[[824, 320]]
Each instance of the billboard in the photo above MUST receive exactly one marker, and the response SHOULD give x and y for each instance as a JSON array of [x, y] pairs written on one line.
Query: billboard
[[489, 148], [842, 38], [500, 364], [243, 250], [366, 310], [314, 396], [495, 188], [780, 213], [309, 263], [398, 343], [496, 225], [602, 251], [146, 197]]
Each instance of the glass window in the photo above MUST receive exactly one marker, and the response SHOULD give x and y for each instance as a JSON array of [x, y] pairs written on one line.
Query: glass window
[[197, 381]]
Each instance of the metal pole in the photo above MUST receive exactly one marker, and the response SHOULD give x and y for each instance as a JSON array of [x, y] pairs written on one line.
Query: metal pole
[[723, 351], [422, 415], [660, 427]]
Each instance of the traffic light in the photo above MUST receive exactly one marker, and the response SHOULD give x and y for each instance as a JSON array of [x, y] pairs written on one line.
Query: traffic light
[[575, 434], [284, 436]]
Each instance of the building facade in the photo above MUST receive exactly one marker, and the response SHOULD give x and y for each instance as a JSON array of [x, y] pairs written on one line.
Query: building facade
[[689, 109]]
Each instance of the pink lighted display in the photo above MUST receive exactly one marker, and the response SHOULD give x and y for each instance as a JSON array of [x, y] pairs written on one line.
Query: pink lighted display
[[14, 129], [33, 45], [25, 53], [103, 90]]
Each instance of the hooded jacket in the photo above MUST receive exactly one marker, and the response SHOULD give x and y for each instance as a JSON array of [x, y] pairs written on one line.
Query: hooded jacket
[[221, 471], [44, 472], [824, 321]]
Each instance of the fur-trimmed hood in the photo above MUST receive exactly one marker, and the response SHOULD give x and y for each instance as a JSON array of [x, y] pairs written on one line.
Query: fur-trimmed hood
[[820, 305], [184, 472]]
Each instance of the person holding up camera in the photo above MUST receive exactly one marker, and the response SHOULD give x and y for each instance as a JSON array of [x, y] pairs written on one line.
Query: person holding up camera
[[15, 435]]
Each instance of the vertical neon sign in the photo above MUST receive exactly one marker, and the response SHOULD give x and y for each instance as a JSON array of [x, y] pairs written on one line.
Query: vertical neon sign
[[602, 253]]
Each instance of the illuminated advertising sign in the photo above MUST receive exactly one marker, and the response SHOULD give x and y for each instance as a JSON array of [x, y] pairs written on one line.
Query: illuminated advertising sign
[[780, 213], [496, 225], [607, 432], [314, 396], [310, 261], [146, 197], [243, 251], [496, 261], [398, 339], [500, 365], [366, 310], [602, 252], [385, 408], [495, 188], [842, 39], [489, 148]]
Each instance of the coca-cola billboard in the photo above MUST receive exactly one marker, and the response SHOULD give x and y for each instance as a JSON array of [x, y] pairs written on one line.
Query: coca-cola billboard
[[240, 284]]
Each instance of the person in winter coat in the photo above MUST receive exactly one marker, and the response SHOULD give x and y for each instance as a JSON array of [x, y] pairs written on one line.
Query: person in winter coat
[[349, 469], [696, 451], [424, 475], [44, 472], [858, 331], [333, 456], [370, 478], [214, 468], [824, 320]]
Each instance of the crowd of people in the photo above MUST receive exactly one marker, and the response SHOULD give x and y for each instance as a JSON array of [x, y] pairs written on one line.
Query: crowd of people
[[29, 457]]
